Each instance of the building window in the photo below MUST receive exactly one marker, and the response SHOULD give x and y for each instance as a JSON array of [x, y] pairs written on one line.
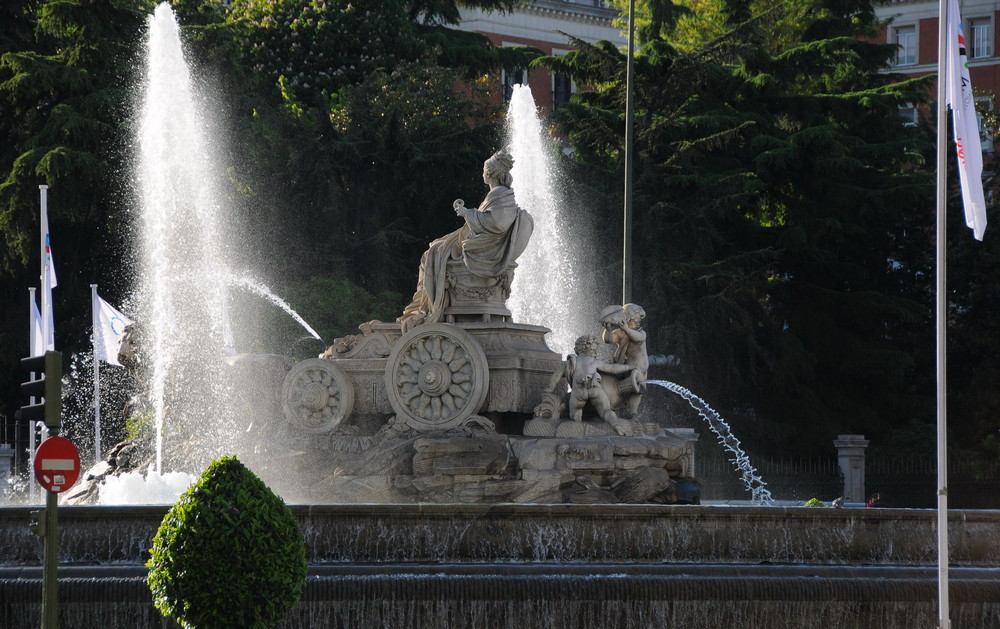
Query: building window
[[908, 113], [906, 40], [984, 104], [562, 89], [980, 38], [511, 78]]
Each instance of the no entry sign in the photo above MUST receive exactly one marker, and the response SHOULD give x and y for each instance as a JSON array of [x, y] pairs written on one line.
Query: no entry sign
[[57, 464]]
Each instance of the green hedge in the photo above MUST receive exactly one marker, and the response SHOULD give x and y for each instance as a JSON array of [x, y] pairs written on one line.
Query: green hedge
[[229, 553]]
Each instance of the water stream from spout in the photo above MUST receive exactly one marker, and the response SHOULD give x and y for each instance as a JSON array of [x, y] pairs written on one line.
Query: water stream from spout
[[748, 473], [258, 288]]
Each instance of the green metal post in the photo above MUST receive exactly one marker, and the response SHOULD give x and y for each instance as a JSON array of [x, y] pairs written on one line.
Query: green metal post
[[50, 582]]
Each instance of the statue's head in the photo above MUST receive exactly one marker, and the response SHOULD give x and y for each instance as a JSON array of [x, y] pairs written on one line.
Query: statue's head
[[586, 345], [498, 166]]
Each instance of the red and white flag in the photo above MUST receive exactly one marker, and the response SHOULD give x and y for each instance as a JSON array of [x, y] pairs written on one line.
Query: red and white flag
[[966, 123], [49, 273], [48, 276]]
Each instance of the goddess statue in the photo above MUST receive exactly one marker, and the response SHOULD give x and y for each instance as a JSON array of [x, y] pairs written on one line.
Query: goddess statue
[[493, 236]]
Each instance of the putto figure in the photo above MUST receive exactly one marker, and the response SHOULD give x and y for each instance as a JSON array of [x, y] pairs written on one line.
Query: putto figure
[[623, 328], [583, 372], [493, 236]]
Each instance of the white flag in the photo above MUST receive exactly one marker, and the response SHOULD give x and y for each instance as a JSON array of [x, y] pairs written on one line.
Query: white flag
[[49, 273], [48, 277], [47, 332], [109, 324], [966, 123], [37, 340]]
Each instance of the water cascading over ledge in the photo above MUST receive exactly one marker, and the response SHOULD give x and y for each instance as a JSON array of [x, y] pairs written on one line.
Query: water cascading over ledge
[[555, 565]]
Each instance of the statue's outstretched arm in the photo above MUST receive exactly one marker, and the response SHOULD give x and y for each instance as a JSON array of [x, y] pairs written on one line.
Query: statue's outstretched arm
[[557, 377], [615, 368]]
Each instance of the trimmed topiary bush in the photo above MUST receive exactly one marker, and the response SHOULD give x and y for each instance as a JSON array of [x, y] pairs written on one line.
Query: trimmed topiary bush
[[229, 553]]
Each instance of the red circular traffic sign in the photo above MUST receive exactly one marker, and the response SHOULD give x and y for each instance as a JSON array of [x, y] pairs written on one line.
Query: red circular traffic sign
[[57, 464]]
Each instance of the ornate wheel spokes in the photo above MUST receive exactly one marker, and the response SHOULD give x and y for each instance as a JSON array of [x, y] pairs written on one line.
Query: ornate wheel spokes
[[316, 395], [436, 376]]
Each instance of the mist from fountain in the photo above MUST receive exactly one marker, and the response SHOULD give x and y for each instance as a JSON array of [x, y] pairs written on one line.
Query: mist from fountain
[[748, 473], [547, 284], [151, 488]]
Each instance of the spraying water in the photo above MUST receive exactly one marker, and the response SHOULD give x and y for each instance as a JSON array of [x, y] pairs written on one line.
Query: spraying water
[[748, 473], [548, 290], [256, 287], [152, 489], [180, 259]]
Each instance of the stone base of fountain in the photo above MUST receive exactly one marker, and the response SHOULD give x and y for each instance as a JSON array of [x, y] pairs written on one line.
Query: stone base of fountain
[[585, 566], [489, 468]]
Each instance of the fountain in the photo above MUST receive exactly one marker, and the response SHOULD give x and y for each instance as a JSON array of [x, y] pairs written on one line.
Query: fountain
[[181, 261], [260, 289], [748, 474], [431, 407], [549, 283], [452, 470]]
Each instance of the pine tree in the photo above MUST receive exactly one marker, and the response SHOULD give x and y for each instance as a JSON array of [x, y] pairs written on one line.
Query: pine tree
[[65, 70], [774, 202]]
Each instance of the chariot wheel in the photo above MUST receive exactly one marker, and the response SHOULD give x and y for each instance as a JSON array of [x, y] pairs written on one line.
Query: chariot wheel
[[436, 376], [316, 395]]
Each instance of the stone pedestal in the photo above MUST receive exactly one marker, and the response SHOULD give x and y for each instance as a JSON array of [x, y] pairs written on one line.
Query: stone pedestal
[[851, 456], [447, 467]]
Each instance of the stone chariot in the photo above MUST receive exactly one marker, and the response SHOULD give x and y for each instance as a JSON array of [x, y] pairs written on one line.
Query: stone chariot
[[433, 377]]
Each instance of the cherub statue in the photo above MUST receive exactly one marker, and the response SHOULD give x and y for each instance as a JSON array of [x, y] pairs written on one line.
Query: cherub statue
[[583, 373], [623, 327]]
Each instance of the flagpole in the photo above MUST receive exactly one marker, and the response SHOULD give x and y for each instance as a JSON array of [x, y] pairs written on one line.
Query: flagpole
[[43, 191], [944, 621], [32, 444], [95, 323], [629, 114]]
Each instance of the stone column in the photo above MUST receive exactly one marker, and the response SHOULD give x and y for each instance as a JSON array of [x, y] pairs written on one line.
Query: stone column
[[851, 456]]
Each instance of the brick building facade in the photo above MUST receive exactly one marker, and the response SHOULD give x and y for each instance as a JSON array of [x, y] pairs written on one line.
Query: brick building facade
[[545, 24], [913, 26]]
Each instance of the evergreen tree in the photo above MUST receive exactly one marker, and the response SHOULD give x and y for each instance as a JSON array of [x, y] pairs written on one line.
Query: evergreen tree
[[354, 109], [774, 211], [65, 68]]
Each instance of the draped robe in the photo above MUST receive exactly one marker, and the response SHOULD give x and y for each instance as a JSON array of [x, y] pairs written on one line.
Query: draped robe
[[493, 236]]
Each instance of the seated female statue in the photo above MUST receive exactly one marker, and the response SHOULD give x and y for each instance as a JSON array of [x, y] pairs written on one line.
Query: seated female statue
[[493, 236]]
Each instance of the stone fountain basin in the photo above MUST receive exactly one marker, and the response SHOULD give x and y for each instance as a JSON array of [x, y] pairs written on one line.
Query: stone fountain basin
[[509, 533], [581, 566]]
